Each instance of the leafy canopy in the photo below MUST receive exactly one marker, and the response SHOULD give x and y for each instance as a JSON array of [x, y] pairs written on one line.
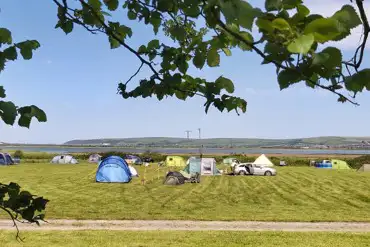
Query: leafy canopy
[[201, 31]]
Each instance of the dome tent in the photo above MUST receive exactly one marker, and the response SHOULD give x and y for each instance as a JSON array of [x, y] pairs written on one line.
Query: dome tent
[[6, 159], [64, 159], [95, 158], [113, 169], [175, 161]]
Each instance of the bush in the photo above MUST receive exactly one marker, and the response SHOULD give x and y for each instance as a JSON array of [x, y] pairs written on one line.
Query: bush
[[357, 162], [18, 154]]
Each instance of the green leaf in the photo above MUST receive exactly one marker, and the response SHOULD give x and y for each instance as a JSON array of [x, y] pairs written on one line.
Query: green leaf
[[288, 77], [303, 11], [67, 26], [5, 36], [213, 58], [10, 53], [291, 4], [265, 25], [246, 14], [156, 21], [272, 5], [95, 4], [142, 49], [199, 59], [181, 95], [165, 5], [192, 11], [227, 51], [153, 44], [179, 33], [302, 44], [28, 112], [348, 17], [27, 47], [249, 40], [2, 92], [131, 15], [113, 43], [225, 83], [320, 58], [8, 112], [281, 24], [334, 58], [111, 4], [324, 29], [358, 81]]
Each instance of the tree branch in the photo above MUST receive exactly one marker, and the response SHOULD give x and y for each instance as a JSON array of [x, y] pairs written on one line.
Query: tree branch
[[14, 222], [365, 22], [137, 72], [113, 35]]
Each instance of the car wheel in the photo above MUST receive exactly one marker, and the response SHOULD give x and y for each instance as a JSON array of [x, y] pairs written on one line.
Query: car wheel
[[268, 173], [243, 173]]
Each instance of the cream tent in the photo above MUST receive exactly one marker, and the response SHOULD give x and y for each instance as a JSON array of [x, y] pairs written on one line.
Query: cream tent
[[364, 168], [263, 161]]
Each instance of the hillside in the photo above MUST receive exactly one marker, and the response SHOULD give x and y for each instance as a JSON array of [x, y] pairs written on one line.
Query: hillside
[[224, 142]]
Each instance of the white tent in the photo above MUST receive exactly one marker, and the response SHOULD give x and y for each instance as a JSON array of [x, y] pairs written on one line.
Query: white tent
[[263, 161], [364, 168], [64, 159], [95, 158], [133, 171]]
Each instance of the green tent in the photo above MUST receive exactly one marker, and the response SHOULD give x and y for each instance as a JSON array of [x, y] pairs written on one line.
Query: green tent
[[175, 161], [203, 166], [339, 164]]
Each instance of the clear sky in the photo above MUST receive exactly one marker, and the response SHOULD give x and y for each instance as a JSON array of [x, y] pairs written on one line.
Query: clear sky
[[74, 79]]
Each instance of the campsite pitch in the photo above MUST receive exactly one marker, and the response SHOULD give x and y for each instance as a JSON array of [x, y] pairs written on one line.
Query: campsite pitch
[[295, 194], [183, 239]]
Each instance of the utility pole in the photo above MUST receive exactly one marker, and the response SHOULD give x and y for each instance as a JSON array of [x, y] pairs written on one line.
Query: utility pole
[[201, 147], [188, 133]]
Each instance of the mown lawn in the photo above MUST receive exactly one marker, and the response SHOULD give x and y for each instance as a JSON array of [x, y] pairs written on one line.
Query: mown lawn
[[183, 239], [296, 194]]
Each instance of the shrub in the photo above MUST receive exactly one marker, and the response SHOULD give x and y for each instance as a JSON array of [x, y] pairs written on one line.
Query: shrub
[[357, 162], [19, 154]]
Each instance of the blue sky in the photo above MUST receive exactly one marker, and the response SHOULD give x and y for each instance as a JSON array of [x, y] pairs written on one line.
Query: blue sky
[[74, 79]]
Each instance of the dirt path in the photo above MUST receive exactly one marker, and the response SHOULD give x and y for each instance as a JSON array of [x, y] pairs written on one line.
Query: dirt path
[[144, 225]]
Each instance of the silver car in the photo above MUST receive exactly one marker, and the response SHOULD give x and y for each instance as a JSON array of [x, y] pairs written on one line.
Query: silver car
[[256, 170]]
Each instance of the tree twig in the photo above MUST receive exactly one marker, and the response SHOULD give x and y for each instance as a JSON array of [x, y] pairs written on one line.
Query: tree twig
[[137, 72], [14, 222]]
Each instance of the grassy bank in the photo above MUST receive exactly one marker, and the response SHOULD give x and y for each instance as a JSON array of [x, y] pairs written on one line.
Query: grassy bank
[[296, 194], [184, 239]]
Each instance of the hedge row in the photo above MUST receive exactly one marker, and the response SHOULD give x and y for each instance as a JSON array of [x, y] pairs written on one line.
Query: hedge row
[[157, 157]]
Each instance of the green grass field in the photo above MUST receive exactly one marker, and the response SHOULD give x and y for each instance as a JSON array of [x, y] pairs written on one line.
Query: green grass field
[[296, 194], [183, 239]]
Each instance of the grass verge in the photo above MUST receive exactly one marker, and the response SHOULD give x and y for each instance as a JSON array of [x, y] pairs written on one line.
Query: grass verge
[[183, 239]]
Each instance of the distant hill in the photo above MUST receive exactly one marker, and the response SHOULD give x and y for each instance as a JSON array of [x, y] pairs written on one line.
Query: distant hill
[[223, 142]]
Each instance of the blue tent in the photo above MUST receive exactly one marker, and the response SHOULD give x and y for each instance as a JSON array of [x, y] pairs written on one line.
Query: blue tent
[[113, 169], [6, 159]]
